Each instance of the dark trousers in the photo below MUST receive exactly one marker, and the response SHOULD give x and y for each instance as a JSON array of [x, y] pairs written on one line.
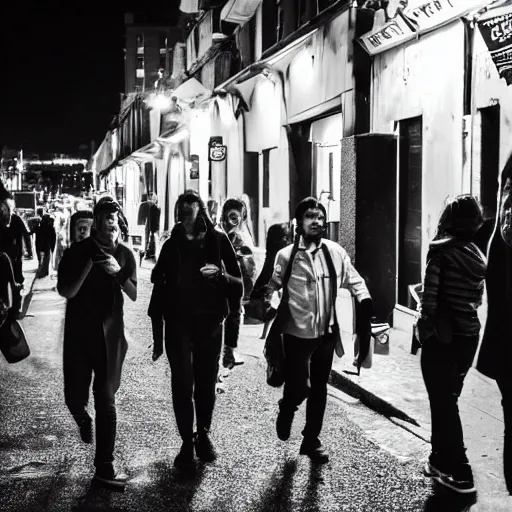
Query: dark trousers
[[80, 363], [505, 386], [232, 328], [444, 367], [308, 364], [193, 346]]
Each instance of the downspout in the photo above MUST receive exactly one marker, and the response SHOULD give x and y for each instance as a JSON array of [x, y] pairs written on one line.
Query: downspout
[[473, 101]]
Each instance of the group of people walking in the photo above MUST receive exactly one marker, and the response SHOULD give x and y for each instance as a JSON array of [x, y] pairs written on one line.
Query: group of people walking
[[203, 281]]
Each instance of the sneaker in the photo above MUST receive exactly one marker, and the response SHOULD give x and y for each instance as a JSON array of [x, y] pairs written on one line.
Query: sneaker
[[432, 471], [205, 450], [185, 457], [284, 424], [109, 476], [465, 486], [315, 451], [85, 427]]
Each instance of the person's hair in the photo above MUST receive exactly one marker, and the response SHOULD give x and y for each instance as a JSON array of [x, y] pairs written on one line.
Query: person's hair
[[304, 205], [275, 243], [190, 197], [462, 217], [234, 203], [40, 212]]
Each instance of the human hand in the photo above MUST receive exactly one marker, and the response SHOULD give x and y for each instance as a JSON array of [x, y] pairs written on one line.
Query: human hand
[[109, 264], [210, 271]]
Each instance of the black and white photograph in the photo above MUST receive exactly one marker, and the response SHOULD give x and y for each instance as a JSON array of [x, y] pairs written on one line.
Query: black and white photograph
[[256, 256]]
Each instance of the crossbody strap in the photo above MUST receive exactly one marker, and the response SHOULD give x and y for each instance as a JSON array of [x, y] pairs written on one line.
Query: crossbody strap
[[334, 281]]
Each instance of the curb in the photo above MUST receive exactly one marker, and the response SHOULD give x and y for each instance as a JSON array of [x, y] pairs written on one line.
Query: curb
[[343, 383]]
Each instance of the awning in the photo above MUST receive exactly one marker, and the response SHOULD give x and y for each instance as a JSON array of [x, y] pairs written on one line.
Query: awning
[[189, 6], [239, 11], [191, 90]]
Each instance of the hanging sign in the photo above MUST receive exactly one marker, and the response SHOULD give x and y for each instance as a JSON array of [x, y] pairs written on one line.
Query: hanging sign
[[497, 34], [217, 151], [414, 18]]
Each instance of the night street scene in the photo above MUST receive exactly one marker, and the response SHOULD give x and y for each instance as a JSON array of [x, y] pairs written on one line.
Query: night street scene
[[256, 256]]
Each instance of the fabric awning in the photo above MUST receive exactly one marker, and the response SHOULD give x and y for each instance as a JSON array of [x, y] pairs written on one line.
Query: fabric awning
[[191, 90], [189, 6], [239, 11]]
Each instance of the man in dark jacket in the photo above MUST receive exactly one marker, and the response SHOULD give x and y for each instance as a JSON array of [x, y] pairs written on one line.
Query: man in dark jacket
[[495, 356], [13, 233], [93, 274], [194, 276]]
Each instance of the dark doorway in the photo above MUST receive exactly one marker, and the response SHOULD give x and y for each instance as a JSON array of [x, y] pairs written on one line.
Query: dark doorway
[[301, 164], [252, 189], [490, 159], [409, 210]]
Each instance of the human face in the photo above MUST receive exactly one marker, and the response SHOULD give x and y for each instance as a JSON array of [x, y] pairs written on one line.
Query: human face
[[313, 223], [234, 218], [109, 226], [187, 214], [82, 229]]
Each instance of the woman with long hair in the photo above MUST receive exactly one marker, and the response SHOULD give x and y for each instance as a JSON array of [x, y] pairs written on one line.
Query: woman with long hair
[[195, 276], [449, 331]]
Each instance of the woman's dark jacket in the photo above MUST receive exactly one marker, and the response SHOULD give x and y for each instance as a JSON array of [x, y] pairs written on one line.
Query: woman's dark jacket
[[495, 357], [174, 275]]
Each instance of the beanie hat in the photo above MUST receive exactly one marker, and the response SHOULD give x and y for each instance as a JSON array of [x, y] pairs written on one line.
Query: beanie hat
[[306, 204], [4, 193]]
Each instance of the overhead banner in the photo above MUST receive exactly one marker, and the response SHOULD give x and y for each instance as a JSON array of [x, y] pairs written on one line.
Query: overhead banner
[[416, 17], [497, 34], [239, 11]]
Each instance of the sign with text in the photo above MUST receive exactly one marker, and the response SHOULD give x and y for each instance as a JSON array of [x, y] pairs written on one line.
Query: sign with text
[[418, 16], [497, 34], [217, 151]]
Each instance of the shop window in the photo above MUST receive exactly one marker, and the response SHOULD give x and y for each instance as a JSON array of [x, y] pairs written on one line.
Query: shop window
[[266, 178], [269, 28], [140, 62], [140, 43]]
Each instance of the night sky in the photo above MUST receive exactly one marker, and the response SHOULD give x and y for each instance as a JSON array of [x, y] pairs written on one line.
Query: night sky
[[62, 73]]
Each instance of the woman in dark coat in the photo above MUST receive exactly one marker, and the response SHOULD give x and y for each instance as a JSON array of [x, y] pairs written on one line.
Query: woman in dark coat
[[194, 276], [93, 274], [495, 357]]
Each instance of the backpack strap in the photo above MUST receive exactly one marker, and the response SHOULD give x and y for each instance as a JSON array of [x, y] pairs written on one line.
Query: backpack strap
[[334, 282]]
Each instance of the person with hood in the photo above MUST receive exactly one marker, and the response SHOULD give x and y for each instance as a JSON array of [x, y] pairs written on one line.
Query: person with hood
[[194, 278], [495, 356], [80, 225], [13, 234], [233, 218], [449, 331], [92, 276], [317, 268]]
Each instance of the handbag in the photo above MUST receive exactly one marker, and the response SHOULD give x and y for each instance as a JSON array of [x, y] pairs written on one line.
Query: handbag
[[13, 342], [274, 347], [380, 335]]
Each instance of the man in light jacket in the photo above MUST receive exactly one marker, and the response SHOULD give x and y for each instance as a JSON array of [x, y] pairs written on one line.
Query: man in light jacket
[[308, 337]]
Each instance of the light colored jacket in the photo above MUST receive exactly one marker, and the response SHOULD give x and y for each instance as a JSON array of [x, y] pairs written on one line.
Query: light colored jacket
[[310, 293]]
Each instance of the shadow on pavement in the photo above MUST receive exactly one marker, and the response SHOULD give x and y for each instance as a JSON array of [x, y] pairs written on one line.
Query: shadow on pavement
[[279, 495], [315, 480], [168, 489], [443, 500]]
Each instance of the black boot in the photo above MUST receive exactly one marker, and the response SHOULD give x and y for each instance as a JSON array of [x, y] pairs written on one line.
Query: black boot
[[314, 450], [185, 457], [205, 450]]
